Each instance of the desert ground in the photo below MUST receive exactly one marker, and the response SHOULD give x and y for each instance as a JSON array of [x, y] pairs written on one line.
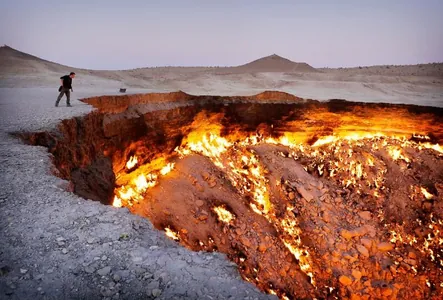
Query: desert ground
[[57, 245]]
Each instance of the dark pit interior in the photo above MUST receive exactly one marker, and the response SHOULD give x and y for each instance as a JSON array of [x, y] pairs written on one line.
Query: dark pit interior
[[347, 205]]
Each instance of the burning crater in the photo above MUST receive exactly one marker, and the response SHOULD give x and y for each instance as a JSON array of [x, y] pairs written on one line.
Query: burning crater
[[310, 199]]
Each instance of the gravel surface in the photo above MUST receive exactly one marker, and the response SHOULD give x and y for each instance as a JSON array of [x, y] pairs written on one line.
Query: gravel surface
[[55, 245]]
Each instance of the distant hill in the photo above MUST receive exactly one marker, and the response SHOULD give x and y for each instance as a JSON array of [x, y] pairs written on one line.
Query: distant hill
[[276, 63], [13, 61]]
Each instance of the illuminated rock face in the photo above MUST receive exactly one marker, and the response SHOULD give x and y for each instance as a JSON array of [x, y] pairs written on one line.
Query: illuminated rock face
[[309, 199]]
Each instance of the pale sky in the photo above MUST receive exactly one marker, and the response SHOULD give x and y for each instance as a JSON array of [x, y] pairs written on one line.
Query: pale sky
[[116, 34]]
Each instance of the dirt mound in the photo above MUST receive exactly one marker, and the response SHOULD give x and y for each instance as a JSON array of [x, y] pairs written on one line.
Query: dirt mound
[[275, 63]]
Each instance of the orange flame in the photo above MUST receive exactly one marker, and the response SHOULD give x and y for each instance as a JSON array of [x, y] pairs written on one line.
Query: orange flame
[[223, 214], [167, 169], [117, 202], [171, 234], [426, 193], [131, 162]]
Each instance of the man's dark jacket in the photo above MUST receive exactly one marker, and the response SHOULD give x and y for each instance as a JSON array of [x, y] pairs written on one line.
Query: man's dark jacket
[[67, 82]]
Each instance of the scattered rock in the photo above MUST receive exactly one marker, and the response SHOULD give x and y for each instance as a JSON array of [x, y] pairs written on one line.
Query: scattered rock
[[262, 248], [356, 274], [304, 193], [367, 243], [212, 183], [40, 290], [23, 271], [4, 270], [64, 251], [90, 240], [387, 292], [89, 269], [205, 175], [104, 257], [360, 231], [136, 225], [104, 271], [384, 246], [9, 291], [139, 270], [427, 206], [370, 230], [107, 292], [345, 280], [39, 277], [365, 215], [363, 251], [199, 203], [153, 285], [355, 297], [156, 292], [291, 195], [199, 187], [347, 234], [116, 278]]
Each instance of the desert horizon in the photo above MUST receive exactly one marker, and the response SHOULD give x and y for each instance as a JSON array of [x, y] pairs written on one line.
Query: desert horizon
[[252, 60]]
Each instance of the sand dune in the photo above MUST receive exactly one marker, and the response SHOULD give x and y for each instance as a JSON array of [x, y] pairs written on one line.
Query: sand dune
[[417, 84]]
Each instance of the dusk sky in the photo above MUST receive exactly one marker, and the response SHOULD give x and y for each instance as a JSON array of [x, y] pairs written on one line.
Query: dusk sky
[[115, 34]]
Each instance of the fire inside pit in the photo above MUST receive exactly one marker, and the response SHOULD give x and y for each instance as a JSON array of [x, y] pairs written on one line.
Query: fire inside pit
[[309, 199]]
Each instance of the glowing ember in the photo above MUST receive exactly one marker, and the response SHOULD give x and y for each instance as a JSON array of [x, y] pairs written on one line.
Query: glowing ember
[[435, 147], [141, 183], [324, 140], [117, 202], [223, 214], [397, 153], [426, 193], [166, 169], [131, 162], [171, 234], [127, 193], [210, 145]]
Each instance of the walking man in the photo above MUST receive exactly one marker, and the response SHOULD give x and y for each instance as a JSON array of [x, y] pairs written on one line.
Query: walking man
[[65, 88]]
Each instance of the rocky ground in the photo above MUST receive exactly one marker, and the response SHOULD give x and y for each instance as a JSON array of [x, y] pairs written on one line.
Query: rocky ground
[[55, 245]]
